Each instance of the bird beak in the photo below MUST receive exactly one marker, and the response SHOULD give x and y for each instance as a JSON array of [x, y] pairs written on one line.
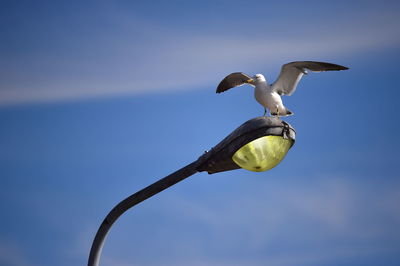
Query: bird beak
[[250, 81]]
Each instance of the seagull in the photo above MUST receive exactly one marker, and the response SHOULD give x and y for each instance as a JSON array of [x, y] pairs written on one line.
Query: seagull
[[269, 95]]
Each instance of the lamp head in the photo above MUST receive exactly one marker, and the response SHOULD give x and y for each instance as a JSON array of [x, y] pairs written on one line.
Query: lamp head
[[258, 145]]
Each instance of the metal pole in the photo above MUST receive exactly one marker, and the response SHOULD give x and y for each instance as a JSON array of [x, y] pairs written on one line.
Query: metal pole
[[133, 200]]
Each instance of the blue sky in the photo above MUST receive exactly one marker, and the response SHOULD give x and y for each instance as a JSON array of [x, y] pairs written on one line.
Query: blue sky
[[98, 99]]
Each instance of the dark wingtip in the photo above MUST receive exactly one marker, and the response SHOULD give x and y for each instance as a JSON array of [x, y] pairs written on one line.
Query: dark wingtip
[[331, 66], [322, 66], [222, 86], [339, 67]]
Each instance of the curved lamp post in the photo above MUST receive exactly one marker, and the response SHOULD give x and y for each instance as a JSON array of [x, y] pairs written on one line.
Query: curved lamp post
[[257, 145]]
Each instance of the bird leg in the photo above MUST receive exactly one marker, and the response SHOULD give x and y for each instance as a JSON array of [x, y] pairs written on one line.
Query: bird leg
[[265, 111], [277, 111]]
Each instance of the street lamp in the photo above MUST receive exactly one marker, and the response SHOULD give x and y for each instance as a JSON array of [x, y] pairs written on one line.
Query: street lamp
[[257, 145]]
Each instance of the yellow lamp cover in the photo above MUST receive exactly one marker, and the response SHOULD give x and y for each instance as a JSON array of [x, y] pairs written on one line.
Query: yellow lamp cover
[[262, 154]]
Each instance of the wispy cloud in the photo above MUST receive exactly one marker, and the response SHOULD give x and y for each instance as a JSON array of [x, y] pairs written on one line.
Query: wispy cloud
[[11, 255], [335, 215], [152, 58]]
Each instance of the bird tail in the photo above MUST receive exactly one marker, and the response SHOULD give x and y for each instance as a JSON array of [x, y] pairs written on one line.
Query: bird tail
[[288, 112]]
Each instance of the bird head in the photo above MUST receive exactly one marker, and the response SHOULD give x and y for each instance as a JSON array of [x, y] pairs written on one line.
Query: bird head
[[259, 78]]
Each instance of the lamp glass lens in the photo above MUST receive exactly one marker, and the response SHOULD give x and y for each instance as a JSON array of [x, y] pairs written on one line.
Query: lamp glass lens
[[262, 154]]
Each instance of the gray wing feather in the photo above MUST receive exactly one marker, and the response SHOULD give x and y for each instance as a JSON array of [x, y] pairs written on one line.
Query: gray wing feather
[[291, 74], [234, 80]]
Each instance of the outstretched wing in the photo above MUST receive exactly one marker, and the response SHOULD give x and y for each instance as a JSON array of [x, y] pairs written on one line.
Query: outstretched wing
[[291, 74], [234, 80]]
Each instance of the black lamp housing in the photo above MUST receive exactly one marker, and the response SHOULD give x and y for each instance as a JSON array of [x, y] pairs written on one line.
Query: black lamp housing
[[219, 158]]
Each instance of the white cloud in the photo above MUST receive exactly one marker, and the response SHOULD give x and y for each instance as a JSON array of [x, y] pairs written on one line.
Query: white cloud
[[326, 211], [11, 255], [182, 60], [312, 222]]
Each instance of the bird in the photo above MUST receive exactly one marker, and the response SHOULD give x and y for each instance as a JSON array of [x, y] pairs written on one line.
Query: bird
[[269, 95]]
